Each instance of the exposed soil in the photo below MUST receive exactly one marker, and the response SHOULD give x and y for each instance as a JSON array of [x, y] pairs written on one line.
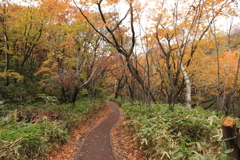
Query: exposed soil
[[125, 146]]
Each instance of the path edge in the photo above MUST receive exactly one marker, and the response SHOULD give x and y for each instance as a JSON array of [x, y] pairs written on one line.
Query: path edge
[[113, 151]]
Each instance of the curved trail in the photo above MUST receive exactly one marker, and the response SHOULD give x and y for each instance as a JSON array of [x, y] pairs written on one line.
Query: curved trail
[[97, 144]]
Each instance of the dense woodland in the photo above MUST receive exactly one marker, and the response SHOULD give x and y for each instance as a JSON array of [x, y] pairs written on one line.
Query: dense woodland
[[167, 53], [60, 58]]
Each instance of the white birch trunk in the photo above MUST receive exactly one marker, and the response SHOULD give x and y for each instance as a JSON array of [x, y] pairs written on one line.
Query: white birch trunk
[[188, 95]]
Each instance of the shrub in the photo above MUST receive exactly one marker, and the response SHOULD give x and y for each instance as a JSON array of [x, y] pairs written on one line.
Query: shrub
[[161, 131], [118, 100], [36, 139], [33, 132]]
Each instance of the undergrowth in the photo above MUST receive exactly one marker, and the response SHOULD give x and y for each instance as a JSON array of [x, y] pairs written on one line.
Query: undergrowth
[[175, 134], [34, 132]]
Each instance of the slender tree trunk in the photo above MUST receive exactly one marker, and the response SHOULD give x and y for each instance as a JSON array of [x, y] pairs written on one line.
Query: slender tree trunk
[[188, 89], [238, 114], [119, 86], [6, 46], [224, 92], [188, 84], [64, 97], [227, 71], [218, 103], [74, 95], [218, 80], [234, 85], [130, 89]]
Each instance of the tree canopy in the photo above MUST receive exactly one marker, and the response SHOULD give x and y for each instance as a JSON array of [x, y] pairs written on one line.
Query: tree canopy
[[162, 51]]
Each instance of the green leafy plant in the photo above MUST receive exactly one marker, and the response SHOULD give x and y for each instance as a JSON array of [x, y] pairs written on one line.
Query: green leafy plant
[[41, 131], [117, 100], [223, 155], [184, 153], [48, 99], [161, 131]]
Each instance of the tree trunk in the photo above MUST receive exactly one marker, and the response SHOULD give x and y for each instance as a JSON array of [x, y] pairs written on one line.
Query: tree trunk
[[187, 81], [228, 66], [218, 104], [63, 96], [119, 86], [7, 82], [230, 131], [136, 75], [130, 89], [6, 46], [74, 95], [234, 86], [238, 114]]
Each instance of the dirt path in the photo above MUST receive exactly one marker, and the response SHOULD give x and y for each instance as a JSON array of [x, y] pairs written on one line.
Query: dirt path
[[125, 145], [97, 144]]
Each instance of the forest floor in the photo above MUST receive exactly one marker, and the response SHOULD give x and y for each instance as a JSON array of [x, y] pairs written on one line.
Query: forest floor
[[125, 146]]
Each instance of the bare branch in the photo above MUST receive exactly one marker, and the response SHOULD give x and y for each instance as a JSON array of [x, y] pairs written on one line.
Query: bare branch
[[121, 21]]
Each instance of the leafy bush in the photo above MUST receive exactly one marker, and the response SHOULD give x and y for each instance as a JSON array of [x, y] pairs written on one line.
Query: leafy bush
[[161, 131], [118, 100], [40, 131], [36, 138]]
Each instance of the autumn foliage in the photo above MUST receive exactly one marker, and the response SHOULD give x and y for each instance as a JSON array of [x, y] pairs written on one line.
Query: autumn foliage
[[70, 49]]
